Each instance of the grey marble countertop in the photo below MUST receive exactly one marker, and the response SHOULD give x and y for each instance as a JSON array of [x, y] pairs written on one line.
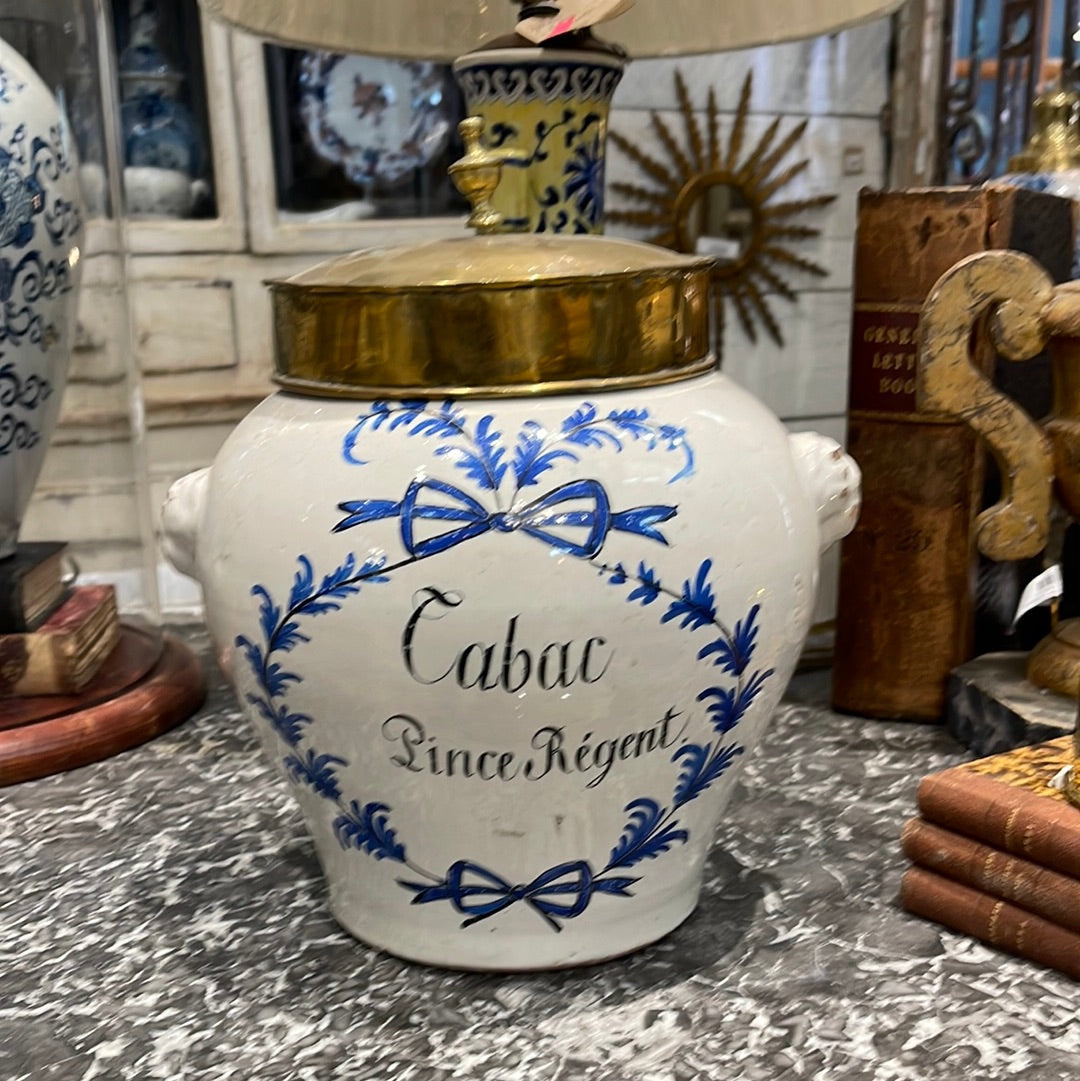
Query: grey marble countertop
[[163, 916]]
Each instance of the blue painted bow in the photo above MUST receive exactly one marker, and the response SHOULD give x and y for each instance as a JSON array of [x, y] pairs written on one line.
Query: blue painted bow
[[479, 893], [541, 519]]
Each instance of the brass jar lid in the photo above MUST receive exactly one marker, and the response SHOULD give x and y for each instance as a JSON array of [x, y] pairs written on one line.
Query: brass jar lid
[[498, 314]]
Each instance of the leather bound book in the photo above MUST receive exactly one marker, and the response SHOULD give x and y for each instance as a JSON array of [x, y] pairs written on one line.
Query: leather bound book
[[31, 585], [1046, 893], [66, 651], [1006, 801], [906, 609], [990, 920]]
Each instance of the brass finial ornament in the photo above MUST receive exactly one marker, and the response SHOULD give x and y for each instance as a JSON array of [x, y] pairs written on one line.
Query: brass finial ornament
[[1055, 141], [478, 173]]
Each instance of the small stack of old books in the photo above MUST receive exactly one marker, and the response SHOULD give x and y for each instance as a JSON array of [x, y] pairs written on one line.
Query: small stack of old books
[[996, 854], [53, 638]]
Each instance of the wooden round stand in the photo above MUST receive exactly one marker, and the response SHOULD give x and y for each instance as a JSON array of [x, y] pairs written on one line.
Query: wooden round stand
[[149, 685]]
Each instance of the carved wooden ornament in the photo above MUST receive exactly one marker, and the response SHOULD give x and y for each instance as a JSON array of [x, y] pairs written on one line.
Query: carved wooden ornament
[[1019, 290]]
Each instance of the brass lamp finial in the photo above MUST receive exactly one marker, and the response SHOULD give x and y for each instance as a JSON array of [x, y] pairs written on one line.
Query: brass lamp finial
[[1055, 141], [477, 175]]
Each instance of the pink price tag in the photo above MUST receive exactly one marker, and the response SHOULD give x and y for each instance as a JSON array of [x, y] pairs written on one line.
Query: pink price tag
[[572, 15]]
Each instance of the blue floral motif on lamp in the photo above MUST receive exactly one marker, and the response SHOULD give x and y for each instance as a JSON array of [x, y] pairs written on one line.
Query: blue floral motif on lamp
[[41, 224], [551, 106]]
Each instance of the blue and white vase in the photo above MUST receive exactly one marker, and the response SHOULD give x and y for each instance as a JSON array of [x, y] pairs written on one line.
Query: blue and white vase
[[159, 129], [41, 231]]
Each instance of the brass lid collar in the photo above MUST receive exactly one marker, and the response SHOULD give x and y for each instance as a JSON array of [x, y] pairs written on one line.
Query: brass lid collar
[[509, 314]]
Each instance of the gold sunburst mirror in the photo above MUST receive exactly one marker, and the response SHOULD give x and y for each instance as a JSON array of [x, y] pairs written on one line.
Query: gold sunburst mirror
[[713, 200]]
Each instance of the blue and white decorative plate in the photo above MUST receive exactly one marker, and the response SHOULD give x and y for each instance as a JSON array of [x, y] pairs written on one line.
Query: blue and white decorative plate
[[378, 119]]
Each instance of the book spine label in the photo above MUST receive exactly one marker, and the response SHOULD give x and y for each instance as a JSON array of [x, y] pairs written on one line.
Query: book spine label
[[1040, 890], [884, 358], [990, 920], [1042, 830]]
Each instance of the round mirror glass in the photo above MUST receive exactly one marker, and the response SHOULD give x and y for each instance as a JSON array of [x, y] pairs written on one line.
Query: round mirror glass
[[719, 222]]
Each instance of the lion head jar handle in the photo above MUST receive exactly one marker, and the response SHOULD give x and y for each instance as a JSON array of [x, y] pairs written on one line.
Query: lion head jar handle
[[1018, 291]]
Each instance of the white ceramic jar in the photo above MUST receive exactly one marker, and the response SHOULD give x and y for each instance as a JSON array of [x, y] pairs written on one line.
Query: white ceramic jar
[[510, 642], [41, 227]]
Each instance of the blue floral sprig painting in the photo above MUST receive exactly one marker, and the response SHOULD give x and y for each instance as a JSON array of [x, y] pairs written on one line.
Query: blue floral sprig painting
[[575, 517]]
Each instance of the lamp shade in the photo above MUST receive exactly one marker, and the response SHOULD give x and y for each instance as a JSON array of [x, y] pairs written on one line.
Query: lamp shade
[[444, 29]]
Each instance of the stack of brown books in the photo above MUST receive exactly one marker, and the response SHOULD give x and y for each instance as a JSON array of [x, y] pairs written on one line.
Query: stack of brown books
[[53, 640], [996, 854]]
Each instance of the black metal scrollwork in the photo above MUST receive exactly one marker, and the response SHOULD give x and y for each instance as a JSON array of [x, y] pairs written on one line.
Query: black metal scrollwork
[[990, 81]]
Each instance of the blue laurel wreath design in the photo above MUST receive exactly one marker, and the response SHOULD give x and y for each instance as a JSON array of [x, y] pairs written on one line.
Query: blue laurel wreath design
[[564, 891], [281, 630], [482, 455]]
